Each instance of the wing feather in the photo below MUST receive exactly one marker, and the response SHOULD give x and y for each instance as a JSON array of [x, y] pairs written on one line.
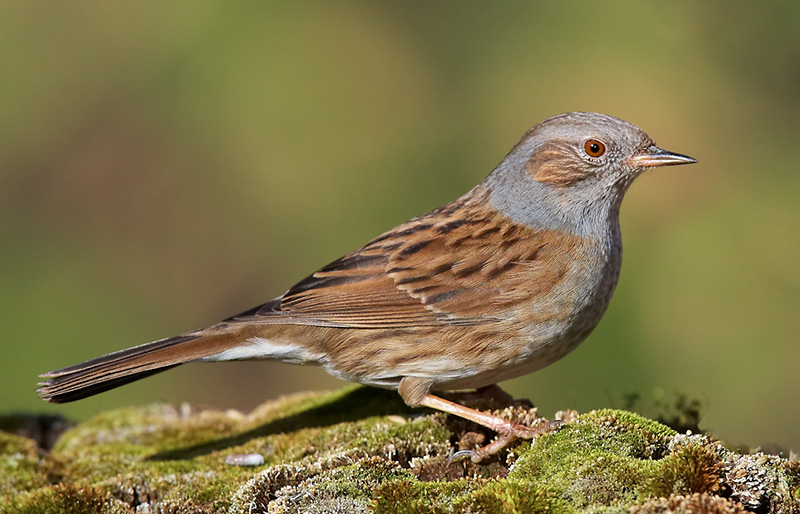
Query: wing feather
[[461, 264]]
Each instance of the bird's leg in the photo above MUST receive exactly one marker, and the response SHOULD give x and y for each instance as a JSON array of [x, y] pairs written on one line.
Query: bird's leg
[[499, 425], [415, 393], [508, 431]]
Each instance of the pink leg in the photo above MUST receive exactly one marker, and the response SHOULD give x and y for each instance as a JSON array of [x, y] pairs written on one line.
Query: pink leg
[[508, 430]]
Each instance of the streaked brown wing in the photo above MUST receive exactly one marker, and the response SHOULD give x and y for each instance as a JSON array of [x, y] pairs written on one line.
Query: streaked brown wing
[[460, 264], [356, 291]]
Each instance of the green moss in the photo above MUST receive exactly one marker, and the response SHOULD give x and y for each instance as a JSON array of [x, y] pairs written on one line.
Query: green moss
[[512, 496], [170, 455], [691, 468], [66, 499], [629, 421], [475, 495], [611, 453], [175, 456], [603, 458], [23, 467], [360, 449], [700, 503], [413, 497]]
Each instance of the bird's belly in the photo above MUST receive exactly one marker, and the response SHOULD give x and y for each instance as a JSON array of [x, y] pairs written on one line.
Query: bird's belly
[[533, 353], [467, 357]]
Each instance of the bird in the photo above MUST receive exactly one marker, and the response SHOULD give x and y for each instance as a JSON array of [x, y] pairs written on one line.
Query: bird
[[501, 282]]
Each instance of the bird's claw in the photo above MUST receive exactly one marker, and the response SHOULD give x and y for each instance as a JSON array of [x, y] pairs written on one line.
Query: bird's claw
[[462, 455], [520, 432]]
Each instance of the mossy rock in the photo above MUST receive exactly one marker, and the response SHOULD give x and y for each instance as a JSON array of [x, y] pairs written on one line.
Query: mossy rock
[[361, 449]]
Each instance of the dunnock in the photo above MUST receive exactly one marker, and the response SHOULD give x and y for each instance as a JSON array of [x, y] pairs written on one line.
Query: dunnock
[[503, 281]]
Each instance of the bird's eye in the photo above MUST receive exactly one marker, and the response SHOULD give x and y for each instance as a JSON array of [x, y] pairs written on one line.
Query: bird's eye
[[594, 148]]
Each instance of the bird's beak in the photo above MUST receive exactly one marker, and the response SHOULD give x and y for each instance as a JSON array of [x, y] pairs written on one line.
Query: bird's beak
[[654, 156]]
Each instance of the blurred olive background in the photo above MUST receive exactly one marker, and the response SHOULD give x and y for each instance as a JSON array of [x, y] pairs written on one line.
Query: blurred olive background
[[167, 164]]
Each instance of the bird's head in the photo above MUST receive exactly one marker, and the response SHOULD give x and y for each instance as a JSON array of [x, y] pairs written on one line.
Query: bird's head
[[572, 166]]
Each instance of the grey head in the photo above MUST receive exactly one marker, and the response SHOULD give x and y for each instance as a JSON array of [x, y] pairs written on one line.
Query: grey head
[[571, 171]]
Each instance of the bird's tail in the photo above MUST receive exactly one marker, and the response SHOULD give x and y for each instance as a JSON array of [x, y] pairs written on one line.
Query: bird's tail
[[119, 368]]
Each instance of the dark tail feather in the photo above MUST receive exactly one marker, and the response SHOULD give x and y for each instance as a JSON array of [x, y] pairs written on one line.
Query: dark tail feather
[[55, 391], [115, 369]]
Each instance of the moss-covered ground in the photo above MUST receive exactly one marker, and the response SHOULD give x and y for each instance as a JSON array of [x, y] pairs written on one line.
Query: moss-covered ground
[[361, 450]]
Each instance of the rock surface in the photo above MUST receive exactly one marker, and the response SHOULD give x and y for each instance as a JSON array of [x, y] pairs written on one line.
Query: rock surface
[[362, 450]]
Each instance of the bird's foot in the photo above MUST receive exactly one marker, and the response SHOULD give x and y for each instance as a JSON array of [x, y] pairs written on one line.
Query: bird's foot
[[507, 431], [505, 438]]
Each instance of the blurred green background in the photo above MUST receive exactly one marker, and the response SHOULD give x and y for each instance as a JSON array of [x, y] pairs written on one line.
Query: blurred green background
[[167, 164]]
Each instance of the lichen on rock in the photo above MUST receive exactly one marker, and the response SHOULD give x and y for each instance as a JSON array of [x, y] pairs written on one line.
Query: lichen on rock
[[361, 449]]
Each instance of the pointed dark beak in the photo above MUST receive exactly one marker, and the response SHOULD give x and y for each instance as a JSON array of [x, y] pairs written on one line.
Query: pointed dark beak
[[654, 156]]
